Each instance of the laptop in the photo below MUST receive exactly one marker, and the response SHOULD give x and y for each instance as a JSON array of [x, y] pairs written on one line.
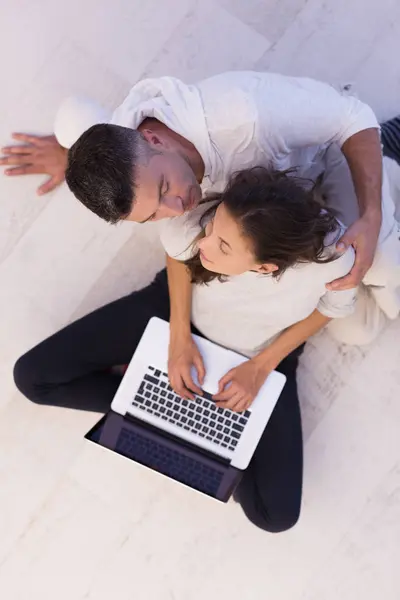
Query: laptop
[[194, 442]]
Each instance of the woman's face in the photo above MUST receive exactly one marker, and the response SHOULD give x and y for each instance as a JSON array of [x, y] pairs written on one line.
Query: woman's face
[[225, 250]]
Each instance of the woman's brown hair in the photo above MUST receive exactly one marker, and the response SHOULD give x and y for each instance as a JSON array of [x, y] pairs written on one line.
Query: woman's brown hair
[[281, 215]]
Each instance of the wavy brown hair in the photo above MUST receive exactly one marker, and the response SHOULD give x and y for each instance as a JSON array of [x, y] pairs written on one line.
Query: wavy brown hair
[[282, 217]]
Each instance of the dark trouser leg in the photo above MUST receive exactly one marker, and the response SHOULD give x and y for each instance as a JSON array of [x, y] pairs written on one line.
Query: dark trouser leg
[[270, 491], [71, 368]]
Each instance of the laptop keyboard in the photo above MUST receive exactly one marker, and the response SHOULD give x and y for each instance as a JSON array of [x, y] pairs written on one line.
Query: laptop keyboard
[[169, 461], [201, 416]]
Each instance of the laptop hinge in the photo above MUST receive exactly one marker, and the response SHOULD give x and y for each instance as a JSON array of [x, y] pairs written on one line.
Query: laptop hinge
[[166, 434]]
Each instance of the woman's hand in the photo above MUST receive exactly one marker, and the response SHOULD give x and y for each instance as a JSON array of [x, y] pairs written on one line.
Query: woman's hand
[[238, 388], [183, 355]]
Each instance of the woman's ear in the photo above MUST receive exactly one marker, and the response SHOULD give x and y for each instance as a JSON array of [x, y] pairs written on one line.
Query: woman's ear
[[267, 268], [153, 138]]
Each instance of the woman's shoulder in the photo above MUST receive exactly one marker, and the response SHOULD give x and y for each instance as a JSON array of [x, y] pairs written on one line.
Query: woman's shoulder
[[178, 234], [341, 262], [333, 264]]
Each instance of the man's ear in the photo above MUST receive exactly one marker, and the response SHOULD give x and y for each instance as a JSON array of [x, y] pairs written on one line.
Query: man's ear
[[154, 139]]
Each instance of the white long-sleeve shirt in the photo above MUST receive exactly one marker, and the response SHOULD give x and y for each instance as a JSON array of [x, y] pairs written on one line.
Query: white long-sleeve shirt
[[235, 120]]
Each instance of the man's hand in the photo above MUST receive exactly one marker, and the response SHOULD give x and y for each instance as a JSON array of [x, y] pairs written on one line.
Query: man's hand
[[38, 155], [183, 354], [363, 236], [238, 388]]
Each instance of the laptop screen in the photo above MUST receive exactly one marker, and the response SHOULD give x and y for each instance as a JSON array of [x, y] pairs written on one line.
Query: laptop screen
[[171, 457]]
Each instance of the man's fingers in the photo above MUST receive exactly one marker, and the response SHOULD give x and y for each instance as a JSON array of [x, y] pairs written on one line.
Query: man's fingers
[[48, 186], [344, 283], [22, 150], [25, 170], [344, 243], [348, 239], [15, 159], [24, 137], [350, 281]]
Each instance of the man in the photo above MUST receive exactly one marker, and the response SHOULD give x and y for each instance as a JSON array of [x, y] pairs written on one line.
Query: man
[[148, 160]]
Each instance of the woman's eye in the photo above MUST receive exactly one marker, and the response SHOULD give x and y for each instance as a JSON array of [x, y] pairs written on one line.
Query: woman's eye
[[221, 247], [208, 229]]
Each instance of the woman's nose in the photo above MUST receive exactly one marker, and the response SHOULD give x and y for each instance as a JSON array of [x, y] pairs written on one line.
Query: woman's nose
[[206, 245]]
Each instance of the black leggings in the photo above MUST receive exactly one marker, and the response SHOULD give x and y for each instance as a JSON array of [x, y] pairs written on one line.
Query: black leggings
[[72, 369]]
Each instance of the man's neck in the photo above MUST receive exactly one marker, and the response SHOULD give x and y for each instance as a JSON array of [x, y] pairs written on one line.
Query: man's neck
[[187, 150]]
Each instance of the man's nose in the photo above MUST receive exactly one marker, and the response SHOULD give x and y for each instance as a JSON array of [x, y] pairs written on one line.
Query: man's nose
[[173, 206]]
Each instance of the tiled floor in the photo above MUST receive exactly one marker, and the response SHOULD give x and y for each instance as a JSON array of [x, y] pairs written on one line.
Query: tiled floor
[[79, 524]]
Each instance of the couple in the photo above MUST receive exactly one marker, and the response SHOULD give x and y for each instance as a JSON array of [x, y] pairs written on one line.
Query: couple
[[254, 268]]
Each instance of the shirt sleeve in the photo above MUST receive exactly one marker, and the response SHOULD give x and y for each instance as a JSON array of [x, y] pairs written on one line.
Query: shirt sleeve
[[75, 116], [341, 303], [298, 112], [177, 235], [176, 239]]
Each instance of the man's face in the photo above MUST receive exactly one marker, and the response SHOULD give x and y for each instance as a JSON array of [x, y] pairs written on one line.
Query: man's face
[[166, 186]]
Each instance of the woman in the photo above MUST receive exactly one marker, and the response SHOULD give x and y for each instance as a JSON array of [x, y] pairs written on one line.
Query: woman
[[259, 257]]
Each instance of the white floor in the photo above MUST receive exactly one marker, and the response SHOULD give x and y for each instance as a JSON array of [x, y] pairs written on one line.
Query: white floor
[[79, 524]]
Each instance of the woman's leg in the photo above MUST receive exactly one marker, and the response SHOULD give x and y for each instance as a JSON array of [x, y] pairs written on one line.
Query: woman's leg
[[72, 367], [270, 491]]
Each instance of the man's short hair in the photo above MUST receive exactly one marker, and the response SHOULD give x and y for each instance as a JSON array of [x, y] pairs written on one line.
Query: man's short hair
[[101, 169]]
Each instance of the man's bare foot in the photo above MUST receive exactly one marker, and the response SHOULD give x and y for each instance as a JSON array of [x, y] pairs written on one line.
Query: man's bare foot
[[37, 155]]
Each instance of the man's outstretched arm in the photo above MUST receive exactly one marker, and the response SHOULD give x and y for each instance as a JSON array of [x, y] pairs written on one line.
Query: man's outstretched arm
[[47, 155]]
